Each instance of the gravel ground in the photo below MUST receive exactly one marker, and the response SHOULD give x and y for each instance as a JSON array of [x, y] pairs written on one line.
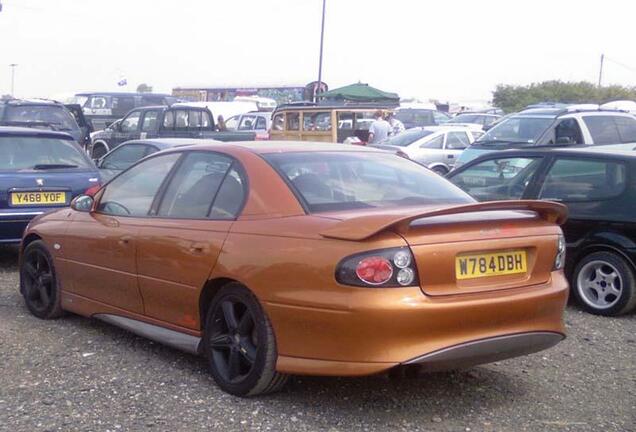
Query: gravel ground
[[77, 374]]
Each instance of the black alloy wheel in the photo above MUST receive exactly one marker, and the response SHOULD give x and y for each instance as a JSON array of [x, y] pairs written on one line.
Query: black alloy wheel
[[240, 344], [38, 282]]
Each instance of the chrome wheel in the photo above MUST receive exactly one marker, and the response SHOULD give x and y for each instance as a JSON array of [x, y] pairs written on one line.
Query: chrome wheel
[[599, 284]]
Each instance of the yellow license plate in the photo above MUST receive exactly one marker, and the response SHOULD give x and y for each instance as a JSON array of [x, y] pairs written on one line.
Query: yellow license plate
[[35, 198], [492, 264]]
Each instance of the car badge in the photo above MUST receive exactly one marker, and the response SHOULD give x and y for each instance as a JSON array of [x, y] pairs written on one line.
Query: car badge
[[39, 182]]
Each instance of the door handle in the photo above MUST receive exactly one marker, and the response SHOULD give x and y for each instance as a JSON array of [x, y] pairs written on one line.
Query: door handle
[[197, 247], [125, 240], [450, 156]]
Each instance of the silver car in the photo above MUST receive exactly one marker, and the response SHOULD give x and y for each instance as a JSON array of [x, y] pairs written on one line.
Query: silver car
[[436, 147]]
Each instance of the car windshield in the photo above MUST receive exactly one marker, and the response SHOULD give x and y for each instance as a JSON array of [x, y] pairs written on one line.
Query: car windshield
[[407, 138], [332, 181], [54, 115], [516, 130], [415, 116], [19, 152], [466, 118]]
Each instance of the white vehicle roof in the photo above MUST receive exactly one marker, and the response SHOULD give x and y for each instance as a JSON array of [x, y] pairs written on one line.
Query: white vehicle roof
[[418, 105], [621, 105], [226, 109]]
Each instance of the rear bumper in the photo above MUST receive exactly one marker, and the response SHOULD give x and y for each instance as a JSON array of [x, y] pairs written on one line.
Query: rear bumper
[[380, 328], [12, 224]]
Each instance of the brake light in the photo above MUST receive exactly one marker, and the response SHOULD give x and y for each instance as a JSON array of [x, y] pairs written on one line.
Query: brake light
[[91, 191], [262, 136], [393, 267], [559, 260]]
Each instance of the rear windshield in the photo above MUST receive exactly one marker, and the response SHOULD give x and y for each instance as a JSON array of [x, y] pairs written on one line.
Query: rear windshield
[[40, 153], [53, 115], [406, 138], [332, 181]]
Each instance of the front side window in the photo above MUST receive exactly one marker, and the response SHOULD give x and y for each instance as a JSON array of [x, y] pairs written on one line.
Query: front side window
[[232, 122], [583, 180], [247, 122], [457, 140], [150, 121], [568, 132], [317, 121], [21, 153], [603, 129], [125, 156], [261, 123], [194, 186], [497, 179], [332, 181], [278, 122], [131, 122], [132, 193]]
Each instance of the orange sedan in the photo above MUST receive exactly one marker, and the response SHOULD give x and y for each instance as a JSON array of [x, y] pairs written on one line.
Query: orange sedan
[[295, 258]]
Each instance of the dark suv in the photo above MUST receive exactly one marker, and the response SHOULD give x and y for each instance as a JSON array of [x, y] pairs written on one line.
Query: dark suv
[[43, 114]]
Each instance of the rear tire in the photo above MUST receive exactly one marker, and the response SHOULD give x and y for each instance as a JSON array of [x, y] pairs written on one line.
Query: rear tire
[[240, 345], [604, 284], [38, 282]]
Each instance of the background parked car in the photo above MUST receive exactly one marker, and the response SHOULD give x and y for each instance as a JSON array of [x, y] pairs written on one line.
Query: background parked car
[[103, 108], [40, 113], [436, 147], [478, 119], [574, 125], [40, 170], [419, 117], [599, 187], [130, 152], [163, 122], [258, 122]]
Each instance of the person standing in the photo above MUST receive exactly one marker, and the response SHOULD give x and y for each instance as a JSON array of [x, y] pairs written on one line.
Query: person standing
[[397, 127], [220, 124], [379, 129]]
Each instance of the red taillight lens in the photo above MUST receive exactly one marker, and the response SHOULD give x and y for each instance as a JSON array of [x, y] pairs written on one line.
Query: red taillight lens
[[262, 136], [374, 270], [91, 191]]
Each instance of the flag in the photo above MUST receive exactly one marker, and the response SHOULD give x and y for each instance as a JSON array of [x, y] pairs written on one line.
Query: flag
[[122, 82]]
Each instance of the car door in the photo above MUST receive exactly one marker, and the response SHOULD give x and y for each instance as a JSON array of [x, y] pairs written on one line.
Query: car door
[[100, 246], [587, 186], [179, 246], [149, 126], [127, 129], [500, 178], [456, 143]]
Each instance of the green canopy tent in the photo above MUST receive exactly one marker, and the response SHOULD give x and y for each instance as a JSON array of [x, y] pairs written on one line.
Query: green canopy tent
[[360, 93]]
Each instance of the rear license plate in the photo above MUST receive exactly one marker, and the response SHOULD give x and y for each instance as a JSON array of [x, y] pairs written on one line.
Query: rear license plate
[[34, 198], [492, 264]]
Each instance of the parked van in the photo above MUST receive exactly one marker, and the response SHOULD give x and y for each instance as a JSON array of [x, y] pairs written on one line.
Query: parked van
[[326, 123]]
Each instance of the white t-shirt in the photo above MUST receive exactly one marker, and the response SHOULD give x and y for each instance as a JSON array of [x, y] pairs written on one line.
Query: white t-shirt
[[380, 130]]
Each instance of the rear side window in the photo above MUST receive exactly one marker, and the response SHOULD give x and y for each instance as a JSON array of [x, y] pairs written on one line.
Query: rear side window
[[626, 129], [603, 129], [230, 197], [317, 121], [583, 180], [125, 156]]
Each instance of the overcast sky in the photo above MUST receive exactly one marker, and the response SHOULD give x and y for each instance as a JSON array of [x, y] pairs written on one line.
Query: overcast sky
[[452, 50]]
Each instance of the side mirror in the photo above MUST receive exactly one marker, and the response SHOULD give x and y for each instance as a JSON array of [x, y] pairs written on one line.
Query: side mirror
[[82, 203]]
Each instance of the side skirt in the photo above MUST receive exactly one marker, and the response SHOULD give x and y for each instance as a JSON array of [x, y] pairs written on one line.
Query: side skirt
[[181, 341]]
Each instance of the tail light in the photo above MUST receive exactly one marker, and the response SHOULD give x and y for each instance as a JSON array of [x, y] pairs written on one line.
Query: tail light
[[383, 268], [559, 260], [262, 136], [91, 191]]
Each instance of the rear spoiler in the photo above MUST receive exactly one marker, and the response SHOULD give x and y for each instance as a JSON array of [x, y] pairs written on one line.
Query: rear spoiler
[[363, 227]]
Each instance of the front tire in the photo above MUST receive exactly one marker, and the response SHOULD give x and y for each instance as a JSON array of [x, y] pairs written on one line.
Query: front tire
[[240, 344], [604, 284], [38, 282]]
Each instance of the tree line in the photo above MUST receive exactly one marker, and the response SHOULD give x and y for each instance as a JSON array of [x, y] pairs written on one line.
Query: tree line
[[512, 98]]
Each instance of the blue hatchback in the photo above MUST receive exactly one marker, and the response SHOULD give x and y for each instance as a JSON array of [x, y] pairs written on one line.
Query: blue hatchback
[[39, 171]]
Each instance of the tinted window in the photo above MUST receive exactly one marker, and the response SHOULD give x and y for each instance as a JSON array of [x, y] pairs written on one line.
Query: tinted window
[[54, 115], [123, 103], [568, 132], [581, 180], [230, 197], [124, 156], [626, 129], [497, 179], [434, 143], [348, 180], [131, 122], [457, 140], [194, 186], [603, 129], [132, 193], [150, 121], [27, 152]]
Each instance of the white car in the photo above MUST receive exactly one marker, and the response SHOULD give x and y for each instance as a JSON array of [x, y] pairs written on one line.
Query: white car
[[436, 147]]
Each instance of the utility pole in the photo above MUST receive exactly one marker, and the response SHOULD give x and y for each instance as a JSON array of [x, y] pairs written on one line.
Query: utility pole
[[13, 66], [600, 72], [322, 37]]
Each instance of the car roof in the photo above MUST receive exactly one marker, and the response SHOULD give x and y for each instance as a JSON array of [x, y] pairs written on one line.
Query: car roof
[[618, 151], [32, 102], [8, 131], [267, 147]]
